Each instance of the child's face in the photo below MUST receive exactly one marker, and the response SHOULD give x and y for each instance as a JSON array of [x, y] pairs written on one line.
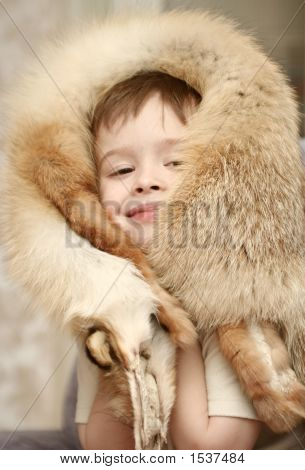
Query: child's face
[[138, 166]]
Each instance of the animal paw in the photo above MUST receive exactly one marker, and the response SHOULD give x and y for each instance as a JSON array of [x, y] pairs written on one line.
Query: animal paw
[[281, 409], [176, 320], [260, 359], [99, 350]]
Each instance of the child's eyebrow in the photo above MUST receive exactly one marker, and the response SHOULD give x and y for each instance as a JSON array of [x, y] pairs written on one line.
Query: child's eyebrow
[[127, 150]]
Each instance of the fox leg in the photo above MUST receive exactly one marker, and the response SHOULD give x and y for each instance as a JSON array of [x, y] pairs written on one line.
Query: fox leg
[[260, 358], [68, 180], [142, 394]]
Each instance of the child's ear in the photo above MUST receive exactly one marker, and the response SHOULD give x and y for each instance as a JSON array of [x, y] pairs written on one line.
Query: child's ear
[[99, 350]]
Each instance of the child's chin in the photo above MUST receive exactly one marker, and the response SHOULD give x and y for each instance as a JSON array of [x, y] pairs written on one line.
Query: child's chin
[[144, 235]]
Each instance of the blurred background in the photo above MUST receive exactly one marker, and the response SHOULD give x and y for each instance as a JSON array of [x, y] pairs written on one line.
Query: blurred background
[[36, 360]]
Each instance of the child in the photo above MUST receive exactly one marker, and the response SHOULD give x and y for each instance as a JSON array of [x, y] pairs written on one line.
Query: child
[[136, 127]]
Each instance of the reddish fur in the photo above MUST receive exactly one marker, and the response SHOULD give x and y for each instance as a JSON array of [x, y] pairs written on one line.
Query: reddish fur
[[281, 410], [71, 186]]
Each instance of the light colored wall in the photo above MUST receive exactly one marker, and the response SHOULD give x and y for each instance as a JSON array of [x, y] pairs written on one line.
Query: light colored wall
[[35, 360]]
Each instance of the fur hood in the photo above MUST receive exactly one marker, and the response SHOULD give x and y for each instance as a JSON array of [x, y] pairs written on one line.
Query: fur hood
[[235, 248]]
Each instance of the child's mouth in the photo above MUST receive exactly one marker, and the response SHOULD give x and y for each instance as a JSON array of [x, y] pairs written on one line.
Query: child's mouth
[[145, 216], [144, 212]]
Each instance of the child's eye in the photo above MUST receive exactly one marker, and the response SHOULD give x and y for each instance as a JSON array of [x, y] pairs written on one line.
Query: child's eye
[[173, 163], [122, 171]]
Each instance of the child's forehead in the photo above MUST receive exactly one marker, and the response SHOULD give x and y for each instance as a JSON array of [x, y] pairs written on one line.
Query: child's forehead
[[154, 114], [154, 105], [148, 131]]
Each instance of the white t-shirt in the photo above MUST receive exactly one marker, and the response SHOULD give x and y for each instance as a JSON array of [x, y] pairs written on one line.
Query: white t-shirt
[[225, 396]]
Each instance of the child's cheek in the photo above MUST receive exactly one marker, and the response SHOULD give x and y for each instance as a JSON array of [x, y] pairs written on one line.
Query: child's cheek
[[112, 194]]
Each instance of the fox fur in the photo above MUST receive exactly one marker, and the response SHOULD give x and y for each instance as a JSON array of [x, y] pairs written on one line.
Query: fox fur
[[231, 248]]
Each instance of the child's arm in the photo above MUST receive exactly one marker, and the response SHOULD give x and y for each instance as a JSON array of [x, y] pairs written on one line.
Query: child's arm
[[103, 431], [190, 425], [97, 427]]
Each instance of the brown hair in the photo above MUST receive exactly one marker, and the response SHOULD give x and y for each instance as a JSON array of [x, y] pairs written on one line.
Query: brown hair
[[128, 97]]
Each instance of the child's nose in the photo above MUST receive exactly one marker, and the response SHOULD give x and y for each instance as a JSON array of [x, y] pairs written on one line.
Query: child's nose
[[146, 188], [148, 183]]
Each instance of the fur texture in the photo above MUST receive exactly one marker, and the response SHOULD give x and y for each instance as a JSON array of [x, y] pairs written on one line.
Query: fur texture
[[232, 249], [143, 395], [272, 385]]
